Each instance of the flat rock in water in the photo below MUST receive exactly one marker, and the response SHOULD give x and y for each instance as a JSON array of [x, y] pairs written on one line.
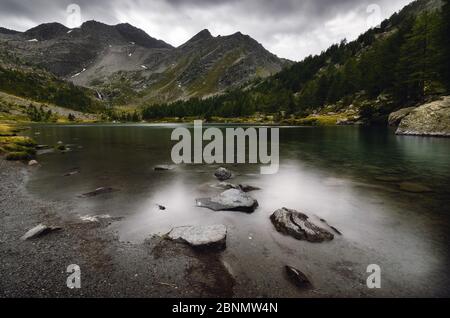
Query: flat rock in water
[[71, 173], [163, 168], [38, 231], [297, 277], [223, 174], [98, 191], [230, 200], [211, 236], [414, 187], [248, 188], [299, 226], [226, 186]]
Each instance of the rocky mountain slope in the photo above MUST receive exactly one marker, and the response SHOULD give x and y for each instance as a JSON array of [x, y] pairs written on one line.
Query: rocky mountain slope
[[127, 66]]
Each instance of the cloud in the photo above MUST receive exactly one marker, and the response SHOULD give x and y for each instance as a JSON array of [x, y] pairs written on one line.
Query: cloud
[[289, 28]]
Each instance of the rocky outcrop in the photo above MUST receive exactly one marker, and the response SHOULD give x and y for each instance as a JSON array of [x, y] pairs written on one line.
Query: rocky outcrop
[[38, 231], [431, 119], [230, 200], [212, 236], [396, 117], [299, 226]]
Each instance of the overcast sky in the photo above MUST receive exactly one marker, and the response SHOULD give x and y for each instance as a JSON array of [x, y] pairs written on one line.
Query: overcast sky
[[289, 28]]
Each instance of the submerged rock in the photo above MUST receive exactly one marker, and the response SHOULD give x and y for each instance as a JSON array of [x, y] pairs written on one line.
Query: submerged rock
[[98, 191], [71, 173], [225, 186], [212, 236], [248, 188], [38, 231], [223, 174], [163, 168], [414, 187], [431, 119], [299, 226], [243, 187], [230, 200], [297, 277], [99, 218]]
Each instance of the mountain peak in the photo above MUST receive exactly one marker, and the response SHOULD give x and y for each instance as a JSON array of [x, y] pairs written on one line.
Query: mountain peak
[[8, 31], [200, 36], [140, 37], [46, 31]]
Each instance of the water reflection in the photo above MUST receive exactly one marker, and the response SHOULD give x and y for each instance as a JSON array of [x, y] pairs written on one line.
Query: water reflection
[[349, 176]]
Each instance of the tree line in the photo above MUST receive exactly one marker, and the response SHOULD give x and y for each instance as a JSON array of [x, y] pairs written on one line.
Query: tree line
[[406, 58]]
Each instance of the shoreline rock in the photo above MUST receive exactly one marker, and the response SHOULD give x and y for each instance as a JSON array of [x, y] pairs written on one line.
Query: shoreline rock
[[431, 119], [38, 231], [396, 117]]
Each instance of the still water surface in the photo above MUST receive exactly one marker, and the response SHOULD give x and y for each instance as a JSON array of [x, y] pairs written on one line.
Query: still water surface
[[349, 176]]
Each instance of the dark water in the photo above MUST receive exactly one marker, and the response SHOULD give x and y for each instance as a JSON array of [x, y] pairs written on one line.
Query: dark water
[[349, 176]]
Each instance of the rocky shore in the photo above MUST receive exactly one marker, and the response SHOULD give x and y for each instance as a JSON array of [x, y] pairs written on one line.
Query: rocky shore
[[37, 267]]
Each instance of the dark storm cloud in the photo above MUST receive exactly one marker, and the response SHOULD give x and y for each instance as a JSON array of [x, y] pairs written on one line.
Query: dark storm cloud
[[289, 28]]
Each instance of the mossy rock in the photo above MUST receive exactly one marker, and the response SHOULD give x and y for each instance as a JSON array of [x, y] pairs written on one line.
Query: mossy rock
[[414, 187], [19, 140], [18, 148], [61, 147], [16, 156]]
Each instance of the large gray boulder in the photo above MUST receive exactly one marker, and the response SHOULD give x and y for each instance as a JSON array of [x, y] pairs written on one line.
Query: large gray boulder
[[212, 236], [396, 117], [431, 119], [230, 200], [299, 226]]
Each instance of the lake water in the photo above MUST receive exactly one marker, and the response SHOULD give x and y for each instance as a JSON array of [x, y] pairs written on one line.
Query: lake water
[[347, 175]]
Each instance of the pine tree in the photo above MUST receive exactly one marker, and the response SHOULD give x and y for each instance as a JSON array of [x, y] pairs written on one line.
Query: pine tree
[[416, 69], [444, 41]]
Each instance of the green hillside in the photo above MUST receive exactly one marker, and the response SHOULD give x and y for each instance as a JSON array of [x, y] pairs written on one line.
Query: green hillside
[[403, 62]]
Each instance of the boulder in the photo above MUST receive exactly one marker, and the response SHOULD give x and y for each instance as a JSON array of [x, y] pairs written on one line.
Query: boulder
[[223, 174], [230, 200], [396, 117], [431, 119], [211, 236], [299, 226], [297, 277], [38, 231]]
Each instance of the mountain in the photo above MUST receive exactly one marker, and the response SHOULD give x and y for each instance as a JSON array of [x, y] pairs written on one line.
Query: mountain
[[127, 66], [401, 63]]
